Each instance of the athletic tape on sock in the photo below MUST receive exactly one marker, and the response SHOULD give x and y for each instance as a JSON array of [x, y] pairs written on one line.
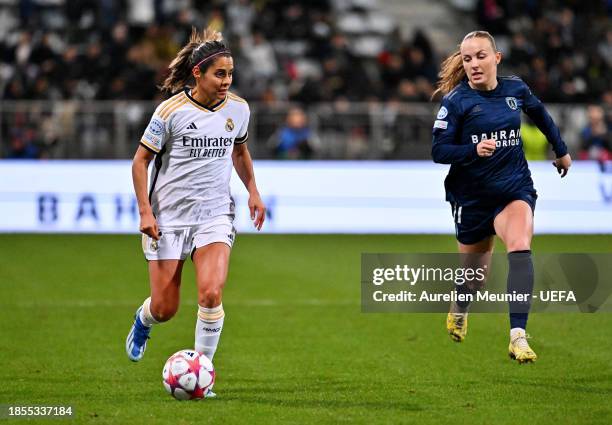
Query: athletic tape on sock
[[146, 313], [211, 314]]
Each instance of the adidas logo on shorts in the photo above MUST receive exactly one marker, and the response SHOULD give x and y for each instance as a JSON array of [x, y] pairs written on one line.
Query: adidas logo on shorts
[[192, 126]]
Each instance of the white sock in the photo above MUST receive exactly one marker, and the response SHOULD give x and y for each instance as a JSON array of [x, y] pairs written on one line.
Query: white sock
[[146, 317], [208, 330], [516, 332]]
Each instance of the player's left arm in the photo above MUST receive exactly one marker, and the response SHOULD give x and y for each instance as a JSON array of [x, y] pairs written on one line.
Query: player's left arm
[[534, 108], [244, 167]]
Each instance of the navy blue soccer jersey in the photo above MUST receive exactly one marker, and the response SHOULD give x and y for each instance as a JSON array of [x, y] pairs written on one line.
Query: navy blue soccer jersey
[[468, 116]]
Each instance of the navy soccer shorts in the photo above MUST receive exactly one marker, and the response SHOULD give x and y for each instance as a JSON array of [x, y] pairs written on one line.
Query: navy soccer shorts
[[474, 223]]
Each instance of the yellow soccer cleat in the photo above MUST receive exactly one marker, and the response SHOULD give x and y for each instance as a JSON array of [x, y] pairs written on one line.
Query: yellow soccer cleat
[[519, 348], [456, 324]]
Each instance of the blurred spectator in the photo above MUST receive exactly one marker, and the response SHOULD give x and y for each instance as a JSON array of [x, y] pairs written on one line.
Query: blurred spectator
[[295, 140], [535, 144], [605, 48], [141, 12], [23, 145], [521, 51], [562, 49], [491, 16], [596, 136], [261, 56], [240, 14], [606, 103]]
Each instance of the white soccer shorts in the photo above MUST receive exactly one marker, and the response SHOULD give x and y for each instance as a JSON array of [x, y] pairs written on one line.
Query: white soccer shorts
[[177, 243]]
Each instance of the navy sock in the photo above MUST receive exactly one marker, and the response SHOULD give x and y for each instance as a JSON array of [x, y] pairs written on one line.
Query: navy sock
[[463, 289], [473, 284], [520, 280]]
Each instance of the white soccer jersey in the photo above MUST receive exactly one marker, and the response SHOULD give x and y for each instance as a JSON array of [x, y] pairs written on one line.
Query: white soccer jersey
[[189, 182]]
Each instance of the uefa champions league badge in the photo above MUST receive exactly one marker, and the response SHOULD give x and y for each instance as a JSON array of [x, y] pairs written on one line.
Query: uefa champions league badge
[[442, 113]]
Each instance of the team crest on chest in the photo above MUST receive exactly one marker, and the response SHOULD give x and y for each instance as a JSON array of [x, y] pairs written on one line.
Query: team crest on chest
[[229, 124], [512, 103]]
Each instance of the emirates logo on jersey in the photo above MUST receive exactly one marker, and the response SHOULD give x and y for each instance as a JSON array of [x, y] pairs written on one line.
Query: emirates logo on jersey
[[200, 146], [229, 124]]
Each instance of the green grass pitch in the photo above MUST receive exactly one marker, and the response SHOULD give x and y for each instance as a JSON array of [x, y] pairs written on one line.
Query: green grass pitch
[[295, 348]]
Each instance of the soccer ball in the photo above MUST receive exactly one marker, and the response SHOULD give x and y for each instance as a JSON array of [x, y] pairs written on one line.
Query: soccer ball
[[187, 375]]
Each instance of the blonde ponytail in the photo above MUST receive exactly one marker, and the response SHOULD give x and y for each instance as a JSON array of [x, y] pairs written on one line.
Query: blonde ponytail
[[451, 74]]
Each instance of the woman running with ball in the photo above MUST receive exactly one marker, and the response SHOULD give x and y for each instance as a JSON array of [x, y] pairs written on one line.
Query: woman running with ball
[[489, 186], [194, 137]]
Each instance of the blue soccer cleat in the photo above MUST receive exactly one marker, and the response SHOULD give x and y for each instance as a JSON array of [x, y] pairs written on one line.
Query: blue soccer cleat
[[136, 342]]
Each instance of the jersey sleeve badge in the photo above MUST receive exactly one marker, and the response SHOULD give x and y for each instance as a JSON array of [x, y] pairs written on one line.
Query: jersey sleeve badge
[[154, 134], [441, 124]]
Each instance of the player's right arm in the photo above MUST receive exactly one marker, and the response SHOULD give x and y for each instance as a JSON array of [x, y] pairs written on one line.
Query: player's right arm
[[151, 143], [445, 149], [140, 167]]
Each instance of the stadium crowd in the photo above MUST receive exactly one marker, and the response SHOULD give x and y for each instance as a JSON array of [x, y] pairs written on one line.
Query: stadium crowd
[[285, 50], [563, 50], [289, 50]]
